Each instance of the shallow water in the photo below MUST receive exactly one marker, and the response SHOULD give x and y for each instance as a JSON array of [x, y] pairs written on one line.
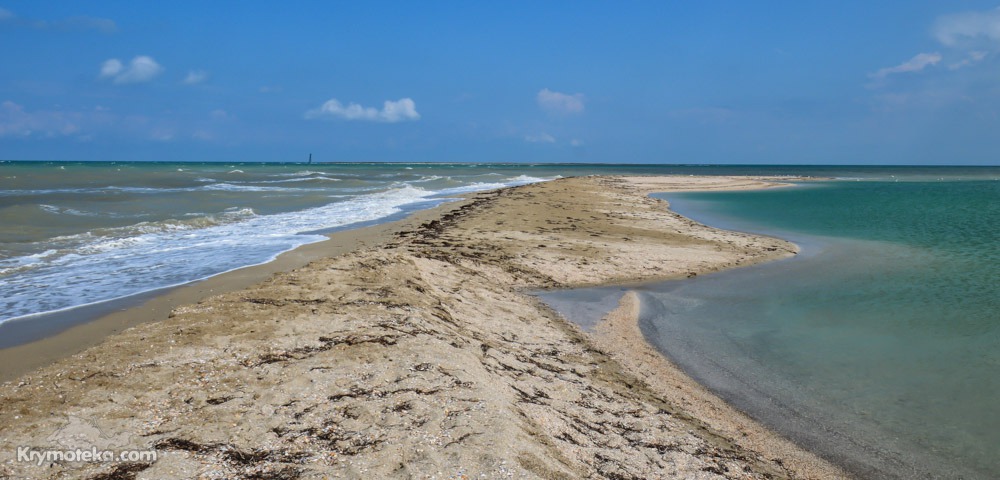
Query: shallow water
[[878, 346], [80, 233], [885, 337]]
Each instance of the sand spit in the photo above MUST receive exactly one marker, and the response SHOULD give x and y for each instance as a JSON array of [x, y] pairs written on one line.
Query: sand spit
[[418, 358]]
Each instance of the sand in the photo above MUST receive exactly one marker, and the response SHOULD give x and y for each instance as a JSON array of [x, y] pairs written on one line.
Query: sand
[[420, 356], [113, 317]]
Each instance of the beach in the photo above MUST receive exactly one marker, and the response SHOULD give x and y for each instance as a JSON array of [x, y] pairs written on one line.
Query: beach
[[411, 349]]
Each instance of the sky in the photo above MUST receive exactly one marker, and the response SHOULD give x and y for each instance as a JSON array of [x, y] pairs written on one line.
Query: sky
[[778, 82]]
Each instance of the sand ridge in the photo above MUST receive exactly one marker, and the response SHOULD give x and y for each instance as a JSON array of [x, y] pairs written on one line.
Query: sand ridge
[[417, 358]]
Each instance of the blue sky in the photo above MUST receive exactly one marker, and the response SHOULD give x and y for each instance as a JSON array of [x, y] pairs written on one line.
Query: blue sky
[[848, 82]]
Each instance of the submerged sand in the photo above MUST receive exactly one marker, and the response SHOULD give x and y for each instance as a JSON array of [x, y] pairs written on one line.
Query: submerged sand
[[421, 356]]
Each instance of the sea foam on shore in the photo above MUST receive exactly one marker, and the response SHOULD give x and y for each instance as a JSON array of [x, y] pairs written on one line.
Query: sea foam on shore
[[92, 233]]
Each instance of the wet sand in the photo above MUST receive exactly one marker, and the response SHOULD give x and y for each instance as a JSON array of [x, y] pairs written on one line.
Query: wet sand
[[418, 355], [92, 324]]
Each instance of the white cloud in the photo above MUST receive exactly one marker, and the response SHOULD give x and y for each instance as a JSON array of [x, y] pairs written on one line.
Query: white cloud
[[576, 142], [560, 103], [102, 25], [540, 138], [15, 121], [969, 28], [968, 40], [404, 109], [141, 69], [195, 77], [915, 64], [401, 110], [972, 58], [111, 67]]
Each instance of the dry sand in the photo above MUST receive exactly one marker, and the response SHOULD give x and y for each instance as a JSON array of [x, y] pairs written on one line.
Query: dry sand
[[421, 357]]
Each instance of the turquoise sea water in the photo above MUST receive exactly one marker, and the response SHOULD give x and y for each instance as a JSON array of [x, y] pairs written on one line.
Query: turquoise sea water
[[879, 346]]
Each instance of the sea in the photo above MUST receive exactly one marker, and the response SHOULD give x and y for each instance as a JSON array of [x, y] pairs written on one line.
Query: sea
[[80, 233], [878, 346]]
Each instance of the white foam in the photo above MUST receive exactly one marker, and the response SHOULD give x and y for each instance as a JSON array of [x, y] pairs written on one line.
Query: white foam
[[301, 173], [49, 208], [172, 253], [251, 188], [72, 211], [480, 186], [310, 178], [428, 179], [116, 262]]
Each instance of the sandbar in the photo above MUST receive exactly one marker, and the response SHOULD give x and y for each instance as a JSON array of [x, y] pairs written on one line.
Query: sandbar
[[420, 355]]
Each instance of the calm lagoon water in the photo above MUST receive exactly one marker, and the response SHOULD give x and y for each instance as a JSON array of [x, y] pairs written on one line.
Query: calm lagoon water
[[878, 346]]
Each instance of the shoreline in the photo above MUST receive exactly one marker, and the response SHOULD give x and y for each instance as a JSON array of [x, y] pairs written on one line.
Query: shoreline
[[620, 335], [113, 316], [416, 355]]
